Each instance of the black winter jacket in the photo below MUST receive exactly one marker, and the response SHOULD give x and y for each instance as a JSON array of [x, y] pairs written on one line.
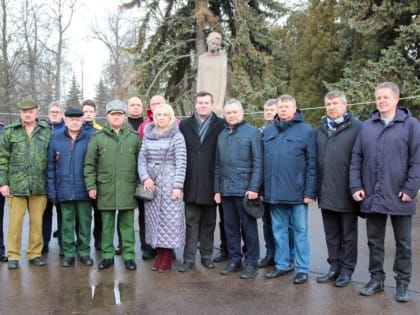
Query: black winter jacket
[[201, 159], [333, 160]]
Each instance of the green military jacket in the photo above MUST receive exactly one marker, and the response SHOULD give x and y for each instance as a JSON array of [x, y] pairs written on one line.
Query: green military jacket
[[23, 160], [110, 167]]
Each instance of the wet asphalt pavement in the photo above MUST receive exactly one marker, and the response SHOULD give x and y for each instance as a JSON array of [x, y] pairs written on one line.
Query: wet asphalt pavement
[[86, 290]]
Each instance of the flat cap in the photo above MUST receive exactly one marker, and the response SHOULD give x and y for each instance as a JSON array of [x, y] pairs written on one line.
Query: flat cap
[[73, 112], [115, 106], [254, 207], [27, 104]]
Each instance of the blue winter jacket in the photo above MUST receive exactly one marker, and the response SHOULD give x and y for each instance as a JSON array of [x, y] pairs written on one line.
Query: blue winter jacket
[[289, 161], [386, 160], [57, 127], [65, 180], [239, 161]]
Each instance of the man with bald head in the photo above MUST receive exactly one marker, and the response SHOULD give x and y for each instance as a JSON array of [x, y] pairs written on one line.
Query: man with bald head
[[134, 112], [289, 186], [154, 102]]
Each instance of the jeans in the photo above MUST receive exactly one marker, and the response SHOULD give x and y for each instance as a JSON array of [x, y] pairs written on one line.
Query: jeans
[[376, 226], [235, 218], [280, 216]]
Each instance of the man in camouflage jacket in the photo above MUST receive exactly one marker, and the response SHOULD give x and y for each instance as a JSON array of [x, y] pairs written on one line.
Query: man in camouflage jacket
[[23, 162]]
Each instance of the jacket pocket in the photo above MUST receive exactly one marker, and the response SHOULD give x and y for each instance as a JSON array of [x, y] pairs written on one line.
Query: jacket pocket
[[104, 178]]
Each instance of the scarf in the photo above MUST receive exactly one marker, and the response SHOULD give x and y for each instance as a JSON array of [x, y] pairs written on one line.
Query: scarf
[[202, 127]]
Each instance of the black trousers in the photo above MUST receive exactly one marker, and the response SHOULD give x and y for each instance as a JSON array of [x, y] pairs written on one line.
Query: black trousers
[[142, 224], [223, 242], [97, 224], [401, 225], [47, 223], [2, 248], [238, 222], [341, 238], [200, 225]]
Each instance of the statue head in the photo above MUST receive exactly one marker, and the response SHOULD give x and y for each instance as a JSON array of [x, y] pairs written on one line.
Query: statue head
[[214, 41]]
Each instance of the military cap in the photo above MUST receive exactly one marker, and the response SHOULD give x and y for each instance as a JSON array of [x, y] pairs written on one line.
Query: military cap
[[115, 106], [73, 112], [27, 104]]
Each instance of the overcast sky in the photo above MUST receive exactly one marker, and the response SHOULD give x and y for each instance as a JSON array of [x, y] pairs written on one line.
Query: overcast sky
[[82, 48]]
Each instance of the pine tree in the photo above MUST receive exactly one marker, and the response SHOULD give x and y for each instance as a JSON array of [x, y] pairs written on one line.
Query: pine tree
[[168, 48], [384, 42], [73, 96], [102, 97]]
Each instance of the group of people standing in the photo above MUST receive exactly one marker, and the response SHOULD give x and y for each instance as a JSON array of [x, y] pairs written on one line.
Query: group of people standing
[[204, 162]]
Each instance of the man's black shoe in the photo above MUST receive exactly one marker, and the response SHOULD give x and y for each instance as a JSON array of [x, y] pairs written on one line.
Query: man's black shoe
[[148, 253], [86, 260], [372, 287], [231, 268], [403, 295], [300, 278], [13, 264], [68, 261], [221, 256], [3, 258], [250, 272], [38, 261], [185, 267], [118, 250], [343, 280], [106, 263], [55, 234], [61, 252], [208, 263], [327, 277], [130, 264], [266, 262], [275, 273]]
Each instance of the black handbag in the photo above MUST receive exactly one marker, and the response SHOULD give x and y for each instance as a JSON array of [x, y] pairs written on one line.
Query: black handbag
[[144, 194], [141, 192]]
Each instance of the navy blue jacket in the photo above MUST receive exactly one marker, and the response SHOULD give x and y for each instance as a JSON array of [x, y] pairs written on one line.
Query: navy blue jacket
[[386, 160], [239, 161], [289, 161], [57, 127], [65, 180]]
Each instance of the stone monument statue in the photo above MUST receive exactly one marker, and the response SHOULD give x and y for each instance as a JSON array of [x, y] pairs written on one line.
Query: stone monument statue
[[212, 72]]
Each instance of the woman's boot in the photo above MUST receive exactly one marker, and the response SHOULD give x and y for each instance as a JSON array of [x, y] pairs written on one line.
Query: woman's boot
[[158, 259], [166, 260]]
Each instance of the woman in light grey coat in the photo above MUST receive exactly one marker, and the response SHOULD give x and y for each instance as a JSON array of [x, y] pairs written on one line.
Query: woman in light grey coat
[[162, 166]]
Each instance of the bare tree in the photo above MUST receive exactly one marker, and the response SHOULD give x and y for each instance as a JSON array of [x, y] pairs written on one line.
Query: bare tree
[[117, 38], [62, 15], [11, 53]]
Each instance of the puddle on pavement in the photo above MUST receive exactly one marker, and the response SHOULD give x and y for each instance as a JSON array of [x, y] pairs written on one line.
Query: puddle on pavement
[[112, 293]]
